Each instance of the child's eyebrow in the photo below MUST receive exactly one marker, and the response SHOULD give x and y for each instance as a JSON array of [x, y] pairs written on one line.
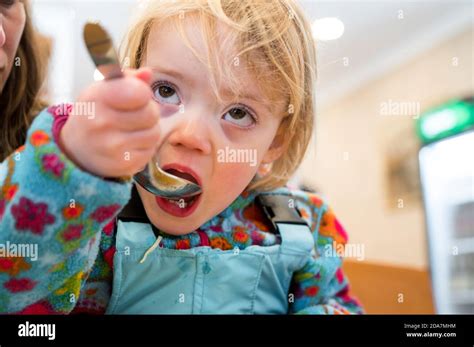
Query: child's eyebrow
[[249, 97], [173, 73], [226, 92]]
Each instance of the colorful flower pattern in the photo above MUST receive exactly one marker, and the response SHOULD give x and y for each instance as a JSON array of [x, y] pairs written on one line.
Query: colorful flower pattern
[[16, 285], [220, 242], [13, 265], [31, 216], [73, 212], [2, 208], [53, 164], [104, 213], [39, 138]]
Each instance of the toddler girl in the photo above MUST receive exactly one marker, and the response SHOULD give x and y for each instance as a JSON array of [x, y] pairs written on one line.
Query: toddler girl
[[232, 84]]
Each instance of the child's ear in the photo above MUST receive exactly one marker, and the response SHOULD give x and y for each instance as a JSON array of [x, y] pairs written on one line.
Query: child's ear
[[276, 149]]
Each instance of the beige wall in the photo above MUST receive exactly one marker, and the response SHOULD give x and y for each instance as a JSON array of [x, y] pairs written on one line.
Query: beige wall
[[355, 182]]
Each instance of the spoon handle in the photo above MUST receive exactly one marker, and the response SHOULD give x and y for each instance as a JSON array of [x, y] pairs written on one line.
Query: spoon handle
[[102, 51]]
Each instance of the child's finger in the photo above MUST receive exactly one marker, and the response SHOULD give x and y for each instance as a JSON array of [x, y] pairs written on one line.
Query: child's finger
[[145, 74], [141, 159], [123, 94], [148, 139], [145, 118]]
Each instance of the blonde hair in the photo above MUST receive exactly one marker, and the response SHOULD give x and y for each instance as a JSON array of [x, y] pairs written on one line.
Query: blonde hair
[[274, 39]]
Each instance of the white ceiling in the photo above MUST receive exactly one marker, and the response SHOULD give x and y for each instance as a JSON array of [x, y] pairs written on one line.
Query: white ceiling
[[375, 39]]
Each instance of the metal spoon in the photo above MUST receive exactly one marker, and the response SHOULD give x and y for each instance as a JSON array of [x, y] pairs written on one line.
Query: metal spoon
[[152, 177]]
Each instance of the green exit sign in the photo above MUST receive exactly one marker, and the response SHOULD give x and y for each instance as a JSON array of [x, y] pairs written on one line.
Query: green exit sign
[[446, 120]]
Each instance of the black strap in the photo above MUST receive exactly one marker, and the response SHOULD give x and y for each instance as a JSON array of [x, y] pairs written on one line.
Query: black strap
[[134, 210], [280, 209]]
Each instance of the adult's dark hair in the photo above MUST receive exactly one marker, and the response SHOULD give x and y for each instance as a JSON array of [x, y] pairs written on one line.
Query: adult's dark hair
[[19, 99]]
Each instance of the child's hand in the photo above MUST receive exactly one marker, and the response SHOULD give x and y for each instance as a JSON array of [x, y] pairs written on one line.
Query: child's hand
[[124, 133]]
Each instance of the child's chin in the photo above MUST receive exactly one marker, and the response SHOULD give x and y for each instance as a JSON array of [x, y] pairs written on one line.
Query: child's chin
[[176, 230]]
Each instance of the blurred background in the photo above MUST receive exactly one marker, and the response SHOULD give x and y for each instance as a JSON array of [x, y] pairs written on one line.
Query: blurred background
[[393, 150]]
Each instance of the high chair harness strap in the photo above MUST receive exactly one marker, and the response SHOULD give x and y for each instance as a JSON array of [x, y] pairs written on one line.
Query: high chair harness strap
[[134, 210]]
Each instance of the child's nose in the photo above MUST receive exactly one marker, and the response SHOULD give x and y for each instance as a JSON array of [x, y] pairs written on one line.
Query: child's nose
[[191, 132]]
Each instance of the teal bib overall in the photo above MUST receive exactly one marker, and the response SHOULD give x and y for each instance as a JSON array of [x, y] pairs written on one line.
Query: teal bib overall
[[205, 280]]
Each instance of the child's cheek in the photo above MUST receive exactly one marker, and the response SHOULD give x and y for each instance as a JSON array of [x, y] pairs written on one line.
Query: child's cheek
[[234, 176]]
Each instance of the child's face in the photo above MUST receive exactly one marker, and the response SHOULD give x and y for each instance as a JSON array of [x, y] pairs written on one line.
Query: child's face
[[221, 143]]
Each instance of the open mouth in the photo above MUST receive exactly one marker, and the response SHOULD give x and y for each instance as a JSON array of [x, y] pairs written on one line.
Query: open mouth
[[184, 206], [184, 201], [182, 174]]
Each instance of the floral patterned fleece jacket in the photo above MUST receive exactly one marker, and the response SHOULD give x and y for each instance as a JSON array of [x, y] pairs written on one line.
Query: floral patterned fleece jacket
[[46, 200]]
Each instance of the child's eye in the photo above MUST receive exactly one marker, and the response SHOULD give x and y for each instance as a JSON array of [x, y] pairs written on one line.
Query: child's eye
[[240, 116], [164, 93]]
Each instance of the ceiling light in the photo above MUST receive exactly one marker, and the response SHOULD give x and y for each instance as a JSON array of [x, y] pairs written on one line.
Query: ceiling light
[[328, 28]]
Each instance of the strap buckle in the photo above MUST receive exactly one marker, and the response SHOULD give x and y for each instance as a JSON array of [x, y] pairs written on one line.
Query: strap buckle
[[278, 209]]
